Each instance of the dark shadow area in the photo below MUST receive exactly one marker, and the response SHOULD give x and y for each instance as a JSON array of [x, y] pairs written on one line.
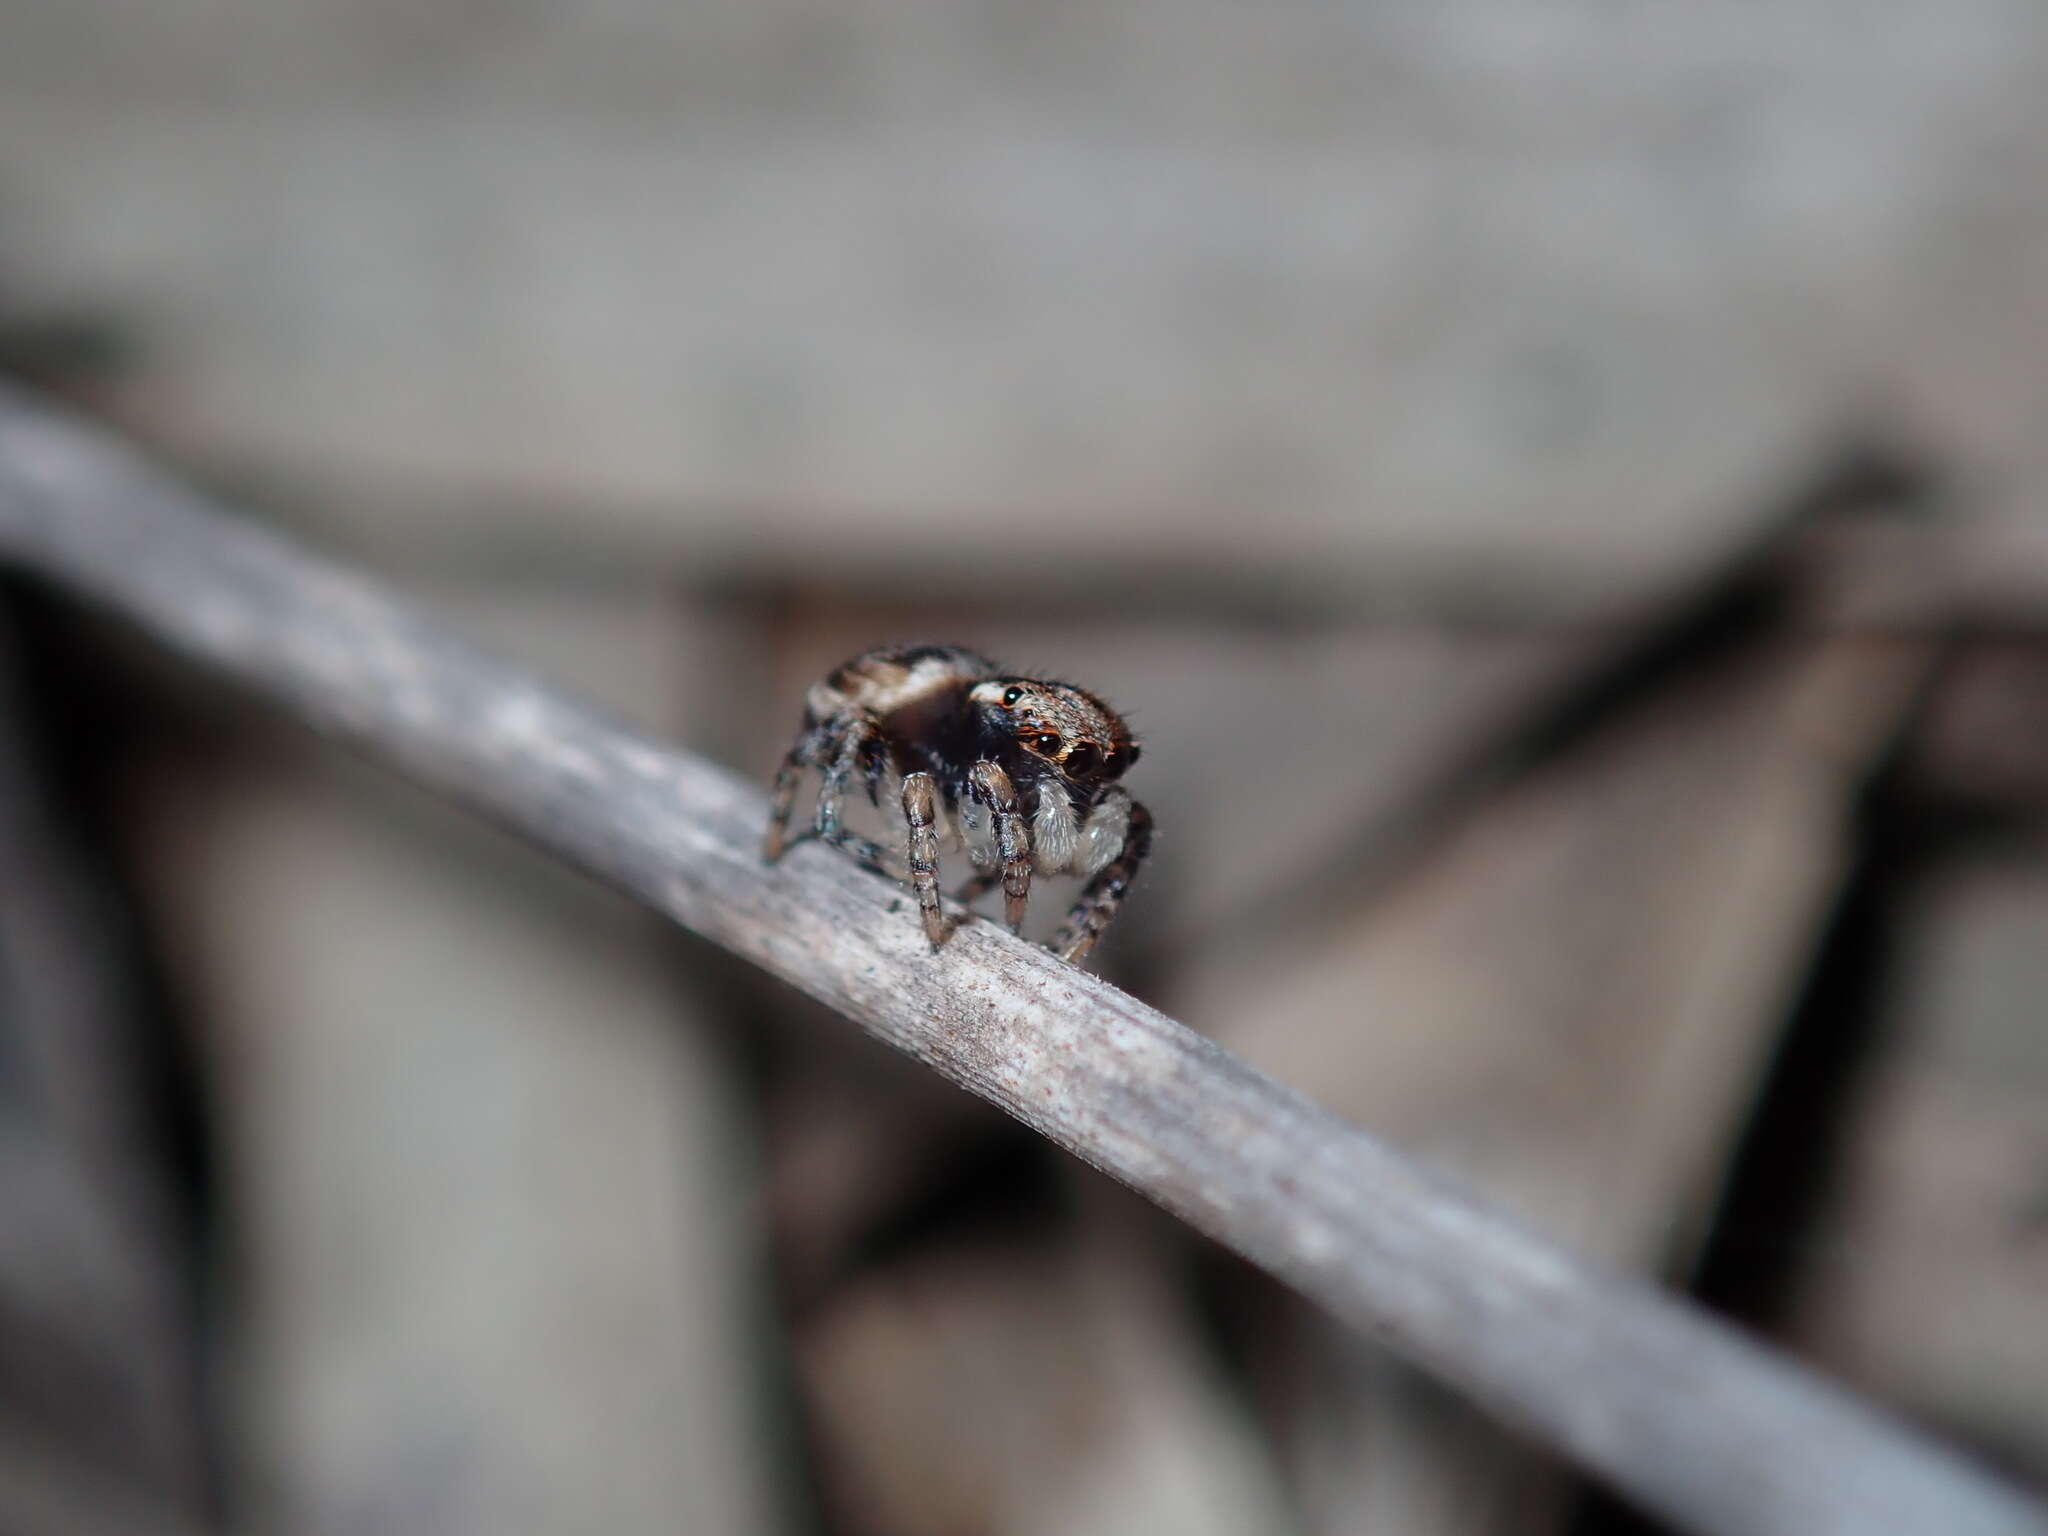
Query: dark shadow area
[[82, 723]]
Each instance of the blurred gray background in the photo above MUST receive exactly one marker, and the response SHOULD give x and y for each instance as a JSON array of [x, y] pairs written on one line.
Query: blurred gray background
[[1557, 486]]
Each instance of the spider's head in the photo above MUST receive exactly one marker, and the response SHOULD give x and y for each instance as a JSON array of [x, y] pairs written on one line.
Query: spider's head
[[1057, 726]]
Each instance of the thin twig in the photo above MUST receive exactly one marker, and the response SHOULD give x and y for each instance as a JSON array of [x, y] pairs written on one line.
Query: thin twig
[[1681, 1414]]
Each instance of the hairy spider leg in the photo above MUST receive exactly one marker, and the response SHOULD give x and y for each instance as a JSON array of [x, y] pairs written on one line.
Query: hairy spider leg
[[858, 740], [803, 753], [1102, 896], [817, 745], [920, 811], [991, 788]]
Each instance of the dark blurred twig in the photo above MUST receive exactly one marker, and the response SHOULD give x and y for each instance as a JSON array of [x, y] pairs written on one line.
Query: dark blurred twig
[[1682, 1415]]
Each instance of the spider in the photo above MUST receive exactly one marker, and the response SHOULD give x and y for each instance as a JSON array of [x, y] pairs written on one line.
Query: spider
[[1021, 773]]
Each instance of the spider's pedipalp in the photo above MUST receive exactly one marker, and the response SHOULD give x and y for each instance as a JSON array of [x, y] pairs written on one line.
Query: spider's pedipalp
[[1104, 834], [1055, 830]]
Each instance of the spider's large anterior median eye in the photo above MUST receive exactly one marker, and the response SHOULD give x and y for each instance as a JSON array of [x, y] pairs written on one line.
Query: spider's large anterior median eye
[[1011, 696], [1079, 759], [1048, 744]]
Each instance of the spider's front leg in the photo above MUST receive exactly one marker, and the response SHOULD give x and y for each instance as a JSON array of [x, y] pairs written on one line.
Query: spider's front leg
[[920, 811], [989, 787], [1105, 893]]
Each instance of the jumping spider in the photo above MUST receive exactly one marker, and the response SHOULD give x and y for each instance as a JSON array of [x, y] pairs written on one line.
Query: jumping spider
[[1021, 773]]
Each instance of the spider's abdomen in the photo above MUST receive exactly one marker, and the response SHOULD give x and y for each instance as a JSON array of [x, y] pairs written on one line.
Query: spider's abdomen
[[887, 681]]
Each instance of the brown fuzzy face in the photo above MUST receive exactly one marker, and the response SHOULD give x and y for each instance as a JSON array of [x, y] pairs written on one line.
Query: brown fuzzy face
[[1067, 727]]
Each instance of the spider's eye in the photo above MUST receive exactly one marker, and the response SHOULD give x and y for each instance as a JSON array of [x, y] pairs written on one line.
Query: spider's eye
[[1011, 696], [1047, 744], [1080, 759]]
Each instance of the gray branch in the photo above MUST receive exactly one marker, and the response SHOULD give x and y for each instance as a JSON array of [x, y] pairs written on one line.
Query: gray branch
[[1690, 1420]]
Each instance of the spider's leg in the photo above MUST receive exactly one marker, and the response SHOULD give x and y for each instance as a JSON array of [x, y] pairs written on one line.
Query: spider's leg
[[810, 749], [838, 748], [920, 811], [857, 739], [1105, 893], [989, 786]]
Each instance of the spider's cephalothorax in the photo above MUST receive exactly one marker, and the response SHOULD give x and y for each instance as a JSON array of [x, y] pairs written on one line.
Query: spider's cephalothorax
[[1020, 773]]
